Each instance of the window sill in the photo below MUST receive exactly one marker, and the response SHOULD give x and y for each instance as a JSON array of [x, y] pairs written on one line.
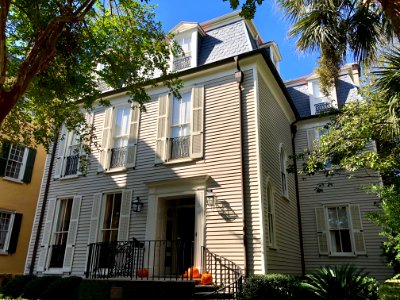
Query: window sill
[[342, 254], [3, 252], [69, 177], [286, 197], [54, 271], [13, 180], [273, 247], [177, 161], [116, 170]]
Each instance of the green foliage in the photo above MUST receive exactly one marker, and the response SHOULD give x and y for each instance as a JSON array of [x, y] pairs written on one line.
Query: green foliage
[[121, 36], [93, 290], [272, 286], [389, 292], [35, 288], [63, 289], [342, 283], [15, 287]]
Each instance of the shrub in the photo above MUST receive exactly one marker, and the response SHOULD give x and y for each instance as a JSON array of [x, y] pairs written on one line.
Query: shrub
[[272, 287], [63, 289], [15, 286], [342, 283], [35, 288], [93, 290]]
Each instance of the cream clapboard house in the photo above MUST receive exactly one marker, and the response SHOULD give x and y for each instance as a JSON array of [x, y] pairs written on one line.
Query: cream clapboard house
[[191, 181]]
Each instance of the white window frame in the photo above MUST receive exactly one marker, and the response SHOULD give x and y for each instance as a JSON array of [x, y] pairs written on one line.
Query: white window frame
[[23, 164], [353, 216], [103, 212], [270, 205], [314, 84], [4, 251], [283, 172], [314, 135], [110, 117]]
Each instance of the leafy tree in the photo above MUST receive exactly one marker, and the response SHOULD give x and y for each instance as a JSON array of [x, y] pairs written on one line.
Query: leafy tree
[[49, 57]]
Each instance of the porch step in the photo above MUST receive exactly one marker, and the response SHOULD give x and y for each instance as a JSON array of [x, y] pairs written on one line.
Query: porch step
[[207, 292]]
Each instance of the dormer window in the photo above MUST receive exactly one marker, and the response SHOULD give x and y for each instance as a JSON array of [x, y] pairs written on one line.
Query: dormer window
[[184, 61], [320, 103]]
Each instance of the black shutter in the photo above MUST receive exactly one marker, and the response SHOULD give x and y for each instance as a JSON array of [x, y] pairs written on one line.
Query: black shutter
[[4, 151], [12, 247], [29, 165]]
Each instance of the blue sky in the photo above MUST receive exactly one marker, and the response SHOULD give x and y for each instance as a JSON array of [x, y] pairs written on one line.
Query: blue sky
[[269, 21]]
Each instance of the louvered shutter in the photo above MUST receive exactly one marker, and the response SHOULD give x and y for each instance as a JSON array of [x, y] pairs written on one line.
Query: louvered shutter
[[197, 137], [105, 141], [358, 234], [72, 231], [322, 234], [44, 248], [16, 226], [125, 215], [133, 137], [30, 161], [311, 137], [94, 218], [162, 129], [62, 143], [4, 152]]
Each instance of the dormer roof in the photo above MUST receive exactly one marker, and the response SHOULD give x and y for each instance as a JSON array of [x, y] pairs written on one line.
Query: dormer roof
[[187, 26]]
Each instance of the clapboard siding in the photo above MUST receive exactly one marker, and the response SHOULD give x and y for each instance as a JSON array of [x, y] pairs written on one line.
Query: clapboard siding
[[274, 131], [343, 190], [222, 162]]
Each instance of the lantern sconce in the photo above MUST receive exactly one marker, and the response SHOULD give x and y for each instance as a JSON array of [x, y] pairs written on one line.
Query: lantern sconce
[[137, 205], [211, 198]]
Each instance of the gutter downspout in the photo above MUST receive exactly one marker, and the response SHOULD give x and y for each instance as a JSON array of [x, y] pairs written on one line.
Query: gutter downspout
[[44, 203], [239, 79], [293, 130]]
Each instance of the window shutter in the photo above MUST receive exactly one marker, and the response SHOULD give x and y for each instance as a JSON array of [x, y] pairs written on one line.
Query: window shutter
[[311, 137], [62, 143], [72, 230], [125, 215], [16, 226], [196, 144], [322, 234], [133, 137], [46, 235], [163, 124], [30, 161], [4, 152], [356, 222], [94, 219], [105, 141]]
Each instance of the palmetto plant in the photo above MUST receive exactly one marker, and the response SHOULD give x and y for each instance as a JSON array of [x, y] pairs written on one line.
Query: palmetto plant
[[342, 283]]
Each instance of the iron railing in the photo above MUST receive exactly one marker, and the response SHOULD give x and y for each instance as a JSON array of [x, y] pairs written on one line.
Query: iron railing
[[226, 275], [57, 256], [71, 167], [180, 147], [118, 157], [157, 259], [182, 63], [322, 107]]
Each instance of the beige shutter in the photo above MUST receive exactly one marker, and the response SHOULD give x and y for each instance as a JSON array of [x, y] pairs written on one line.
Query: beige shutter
[[44, 248], [356, 222], [312, 135], [105, 141], [72, 231], [322, 234], [94, 218], [162, 128], [125, 215], [196, 141], [62, 143], [133, 137]]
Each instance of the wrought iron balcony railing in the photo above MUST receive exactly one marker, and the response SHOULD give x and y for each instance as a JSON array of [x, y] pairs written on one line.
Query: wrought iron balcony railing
[[118, 157], [322, 107], [57, 256], [180, 147], [182, 63], [71, 166]]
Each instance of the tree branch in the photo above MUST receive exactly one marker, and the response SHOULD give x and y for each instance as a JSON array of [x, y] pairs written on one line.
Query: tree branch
[[4, 9]]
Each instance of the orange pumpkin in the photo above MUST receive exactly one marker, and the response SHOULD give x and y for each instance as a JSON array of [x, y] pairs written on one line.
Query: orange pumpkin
[[142, 272], [195, 274], [206, 278]]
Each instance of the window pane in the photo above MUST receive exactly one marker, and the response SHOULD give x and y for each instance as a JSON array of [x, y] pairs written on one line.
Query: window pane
[[332, 218], [186, 97], [345, 238], [4, 226], [14, 162], [176, 111], [111, 217], [342, 215], [122, 121]]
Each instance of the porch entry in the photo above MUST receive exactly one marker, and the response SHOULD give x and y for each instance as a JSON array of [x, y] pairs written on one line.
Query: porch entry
[[177, 228]]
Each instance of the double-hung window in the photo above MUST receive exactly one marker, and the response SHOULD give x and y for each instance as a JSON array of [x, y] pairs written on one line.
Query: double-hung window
[[180, 126], [10, 223], [314, 139], [270, 215], [339, 230], [284, 174], [16, 162], [184, 60], [59, 234], [120, 136]]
